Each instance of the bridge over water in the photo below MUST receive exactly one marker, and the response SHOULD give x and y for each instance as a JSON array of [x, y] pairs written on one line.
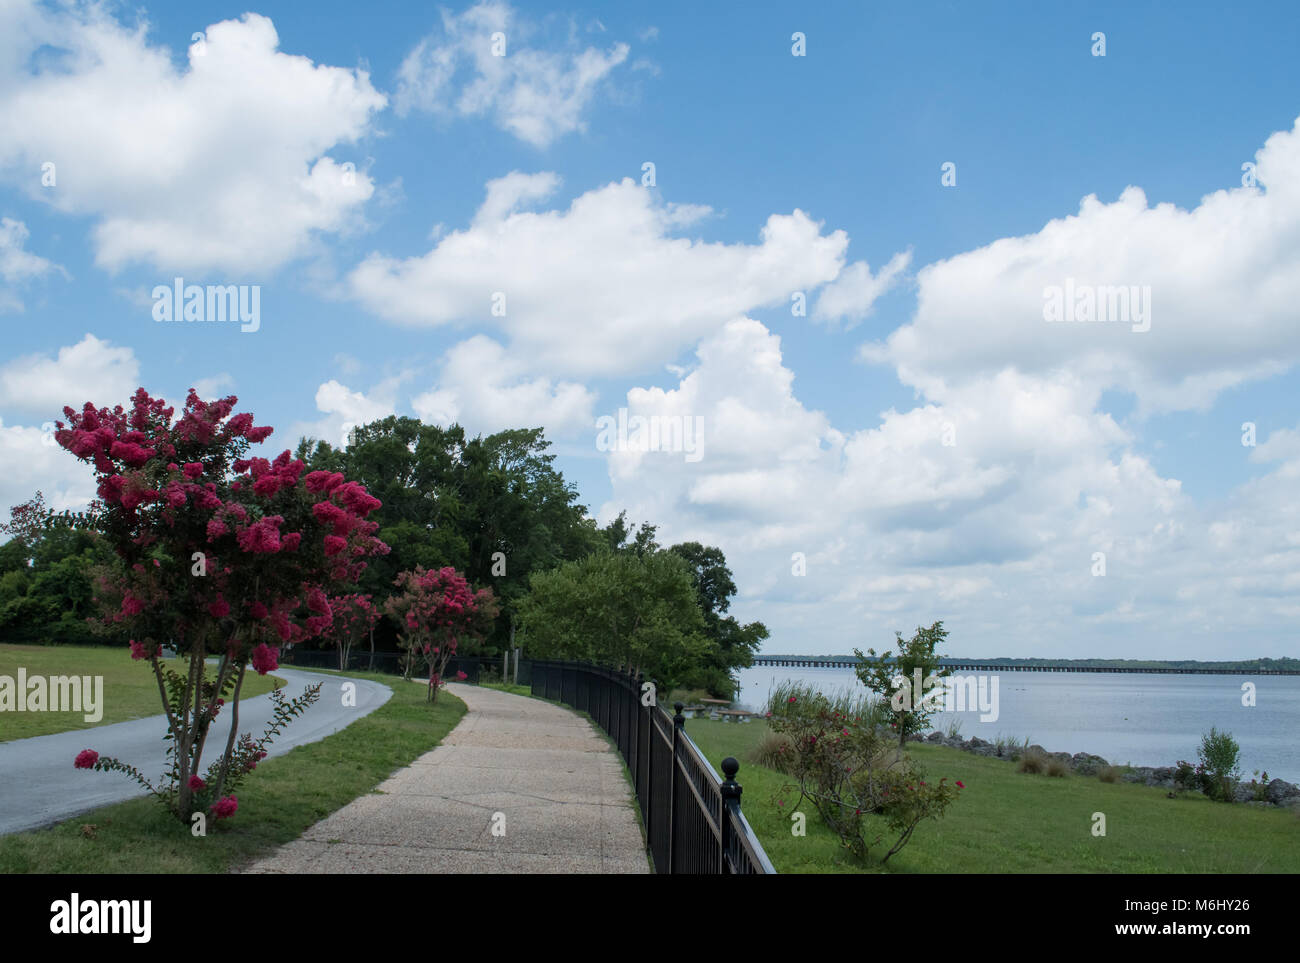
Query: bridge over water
[[966, 665]]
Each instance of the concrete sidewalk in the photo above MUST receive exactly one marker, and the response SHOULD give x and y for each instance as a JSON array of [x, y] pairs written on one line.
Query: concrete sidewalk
[[538, 772]]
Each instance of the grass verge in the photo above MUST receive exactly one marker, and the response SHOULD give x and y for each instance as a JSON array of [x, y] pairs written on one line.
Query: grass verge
[[1011, 822], [277, 803], [130, 690]]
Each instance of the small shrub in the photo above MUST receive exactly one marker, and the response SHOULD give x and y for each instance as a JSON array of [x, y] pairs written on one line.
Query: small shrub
[[1108, 774], [1259, 786], [774, 751], [953, 729], [1057, 767], [1186, 778], [1218, 765], [1032, 761]]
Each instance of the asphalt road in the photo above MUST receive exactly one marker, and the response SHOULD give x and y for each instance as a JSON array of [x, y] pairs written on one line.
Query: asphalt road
[[40, 786]]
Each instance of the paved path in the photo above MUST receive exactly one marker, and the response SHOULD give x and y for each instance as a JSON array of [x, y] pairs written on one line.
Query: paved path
[[540, 770], [39, 786]]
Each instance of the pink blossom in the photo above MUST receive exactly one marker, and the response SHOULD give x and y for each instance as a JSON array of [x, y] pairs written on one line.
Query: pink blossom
[[193, 470], [265, 659], [86, 759], [225, 808], [334, 544], [196, 783]]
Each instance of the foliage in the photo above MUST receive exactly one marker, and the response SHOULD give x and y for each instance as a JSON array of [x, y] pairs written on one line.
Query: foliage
[[491, 507], [355, 616], [637, 612], [734, 645], [438, 611], [216, 553], [1218, 754], [847, 768], [898, 677]]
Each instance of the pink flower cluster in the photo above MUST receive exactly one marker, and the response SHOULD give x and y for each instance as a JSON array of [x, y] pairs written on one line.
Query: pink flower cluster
[[225, 808], [86, 759]]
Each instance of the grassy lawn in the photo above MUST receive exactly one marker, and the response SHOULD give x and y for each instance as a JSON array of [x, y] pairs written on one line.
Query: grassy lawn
[[1011, 822], [285, 796], [130, 690]]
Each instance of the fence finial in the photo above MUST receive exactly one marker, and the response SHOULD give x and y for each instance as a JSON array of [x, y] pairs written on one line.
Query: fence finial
[[730, 788], [679, 720]]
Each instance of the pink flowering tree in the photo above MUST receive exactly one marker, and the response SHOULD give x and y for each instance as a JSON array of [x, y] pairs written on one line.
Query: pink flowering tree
[[355, 616], [221, 556], [438, 611]]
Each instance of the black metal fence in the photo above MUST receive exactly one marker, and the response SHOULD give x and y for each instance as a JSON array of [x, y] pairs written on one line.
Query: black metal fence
[[692, 817], [476, 668]]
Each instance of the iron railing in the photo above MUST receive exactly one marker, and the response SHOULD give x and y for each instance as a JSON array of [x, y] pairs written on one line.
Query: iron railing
[[692, 817]]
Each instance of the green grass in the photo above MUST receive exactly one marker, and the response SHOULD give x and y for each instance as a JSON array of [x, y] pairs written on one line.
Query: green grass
[[510, 687], [285, 796], [1011, 822], [130, 689]]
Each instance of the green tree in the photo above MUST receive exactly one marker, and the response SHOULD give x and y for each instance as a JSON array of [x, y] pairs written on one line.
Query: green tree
[[917, 659], [734, 645], [620, 609]]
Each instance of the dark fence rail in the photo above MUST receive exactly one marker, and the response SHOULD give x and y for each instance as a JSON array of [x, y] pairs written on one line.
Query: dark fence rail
[[476, 668], [692, 817]]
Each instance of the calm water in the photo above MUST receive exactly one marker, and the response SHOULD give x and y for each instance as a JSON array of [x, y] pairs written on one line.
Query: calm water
[[1143, 720]]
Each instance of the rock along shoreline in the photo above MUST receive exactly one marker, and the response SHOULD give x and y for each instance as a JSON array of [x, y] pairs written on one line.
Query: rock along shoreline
[[1278, 793]]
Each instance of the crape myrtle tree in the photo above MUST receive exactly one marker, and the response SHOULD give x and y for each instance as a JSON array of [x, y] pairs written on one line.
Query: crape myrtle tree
[[355, 616], [217, 554], [438, 610], [897, 677]]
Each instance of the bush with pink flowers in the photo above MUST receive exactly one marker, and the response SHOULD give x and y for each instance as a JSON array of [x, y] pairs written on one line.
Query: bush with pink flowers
[[220, 555], [840, 758]]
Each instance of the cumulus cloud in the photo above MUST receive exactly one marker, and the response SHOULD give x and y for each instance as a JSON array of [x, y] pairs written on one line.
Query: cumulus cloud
[[1221, 282], [485, 390], [605, 287], [851, 296], [34, 462], [18, 265], [220, 165], [986, 509], [345, 409], [479, 64], [91, 370]]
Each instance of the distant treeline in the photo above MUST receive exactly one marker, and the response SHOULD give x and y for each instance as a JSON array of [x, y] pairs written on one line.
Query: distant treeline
[[1241, 665]]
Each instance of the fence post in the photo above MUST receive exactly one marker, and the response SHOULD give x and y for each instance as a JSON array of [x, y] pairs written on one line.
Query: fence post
[[730, 803], [678, 721]]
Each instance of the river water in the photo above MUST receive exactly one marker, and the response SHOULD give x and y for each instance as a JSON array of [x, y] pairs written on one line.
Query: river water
[[1138, 719]]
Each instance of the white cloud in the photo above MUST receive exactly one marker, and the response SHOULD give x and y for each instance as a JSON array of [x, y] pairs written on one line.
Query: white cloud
[[346, 409], [536, 95], [994, 533], [851, 296], [485, 391], [90, 370], [16, 264], [1222, 282], [34, 462], [605, 287], [222, 165]]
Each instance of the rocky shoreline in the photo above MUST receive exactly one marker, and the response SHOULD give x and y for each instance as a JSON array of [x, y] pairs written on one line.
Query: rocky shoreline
[[1278, 793]]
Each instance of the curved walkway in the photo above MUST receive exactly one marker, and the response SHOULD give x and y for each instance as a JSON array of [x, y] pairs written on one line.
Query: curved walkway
[[538, 774], [39, 786]]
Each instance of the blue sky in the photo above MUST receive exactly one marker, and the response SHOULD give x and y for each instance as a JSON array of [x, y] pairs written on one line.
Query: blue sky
[[822, 433]]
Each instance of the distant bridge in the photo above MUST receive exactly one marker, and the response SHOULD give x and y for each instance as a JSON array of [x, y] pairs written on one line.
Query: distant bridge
[[810, 662]]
